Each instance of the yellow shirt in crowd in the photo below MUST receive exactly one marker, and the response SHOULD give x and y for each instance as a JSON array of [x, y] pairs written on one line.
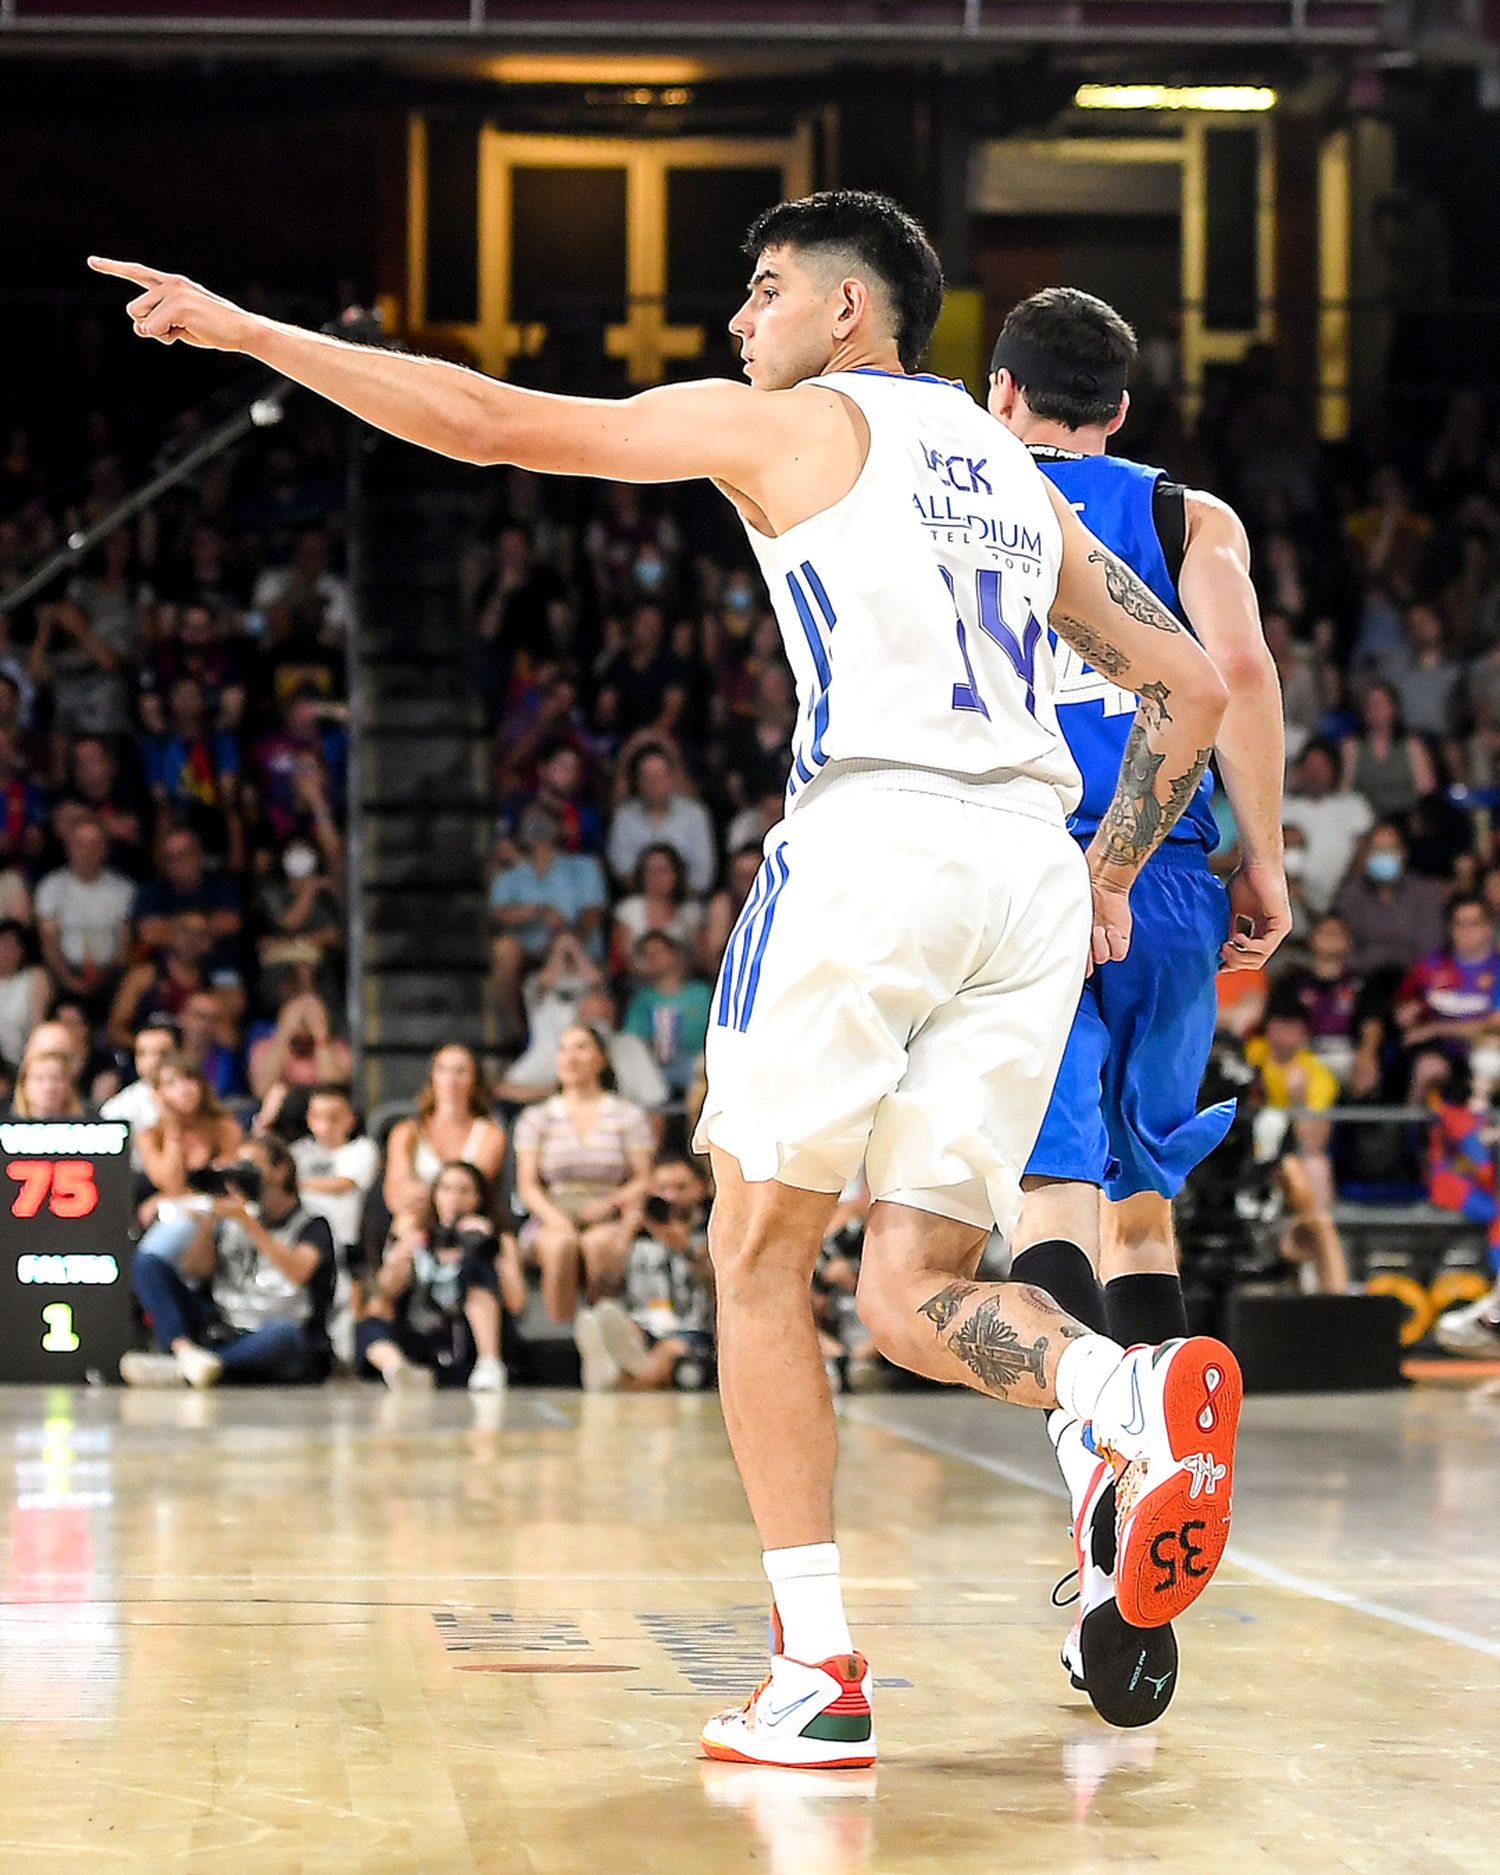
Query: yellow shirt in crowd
[[1304, 1081]]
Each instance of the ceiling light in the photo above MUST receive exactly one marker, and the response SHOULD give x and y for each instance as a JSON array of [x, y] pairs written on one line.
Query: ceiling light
[[1175, 98]]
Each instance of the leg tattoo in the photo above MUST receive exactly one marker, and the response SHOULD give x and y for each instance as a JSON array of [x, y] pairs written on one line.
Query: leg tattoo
[[989, 1345]]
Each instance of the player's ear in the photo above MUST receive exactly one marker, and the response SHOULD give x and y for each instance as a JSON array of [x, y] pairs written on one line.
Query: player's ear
[[1003, 394], [1120, 415], [854, 299]]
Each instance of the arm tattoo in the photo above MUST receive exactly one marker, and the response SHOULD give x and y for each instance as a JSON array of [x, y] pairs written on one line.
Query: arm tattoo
[[1133, 822], [1154, 704], [1091, 646], [1132, 594]]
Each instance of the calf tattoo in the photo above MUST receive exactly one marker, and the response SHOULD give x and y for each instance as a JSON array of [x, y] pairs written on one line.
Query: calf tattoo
[[987, 1344], [941, 1308]]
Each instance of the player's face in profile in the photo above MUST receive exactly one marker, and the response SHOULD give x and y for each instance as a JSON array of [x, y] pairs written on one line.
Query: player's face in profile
[[785, 327]]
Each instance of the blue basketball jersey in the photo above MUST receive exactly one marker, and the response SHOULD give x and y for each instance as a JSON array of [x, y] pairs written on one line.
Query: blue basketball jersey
[[1113, 498]]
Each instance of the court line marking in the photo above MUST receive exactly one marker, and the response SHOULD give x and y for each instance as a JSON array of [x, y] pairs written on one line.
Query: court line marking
[[1255, 1565]]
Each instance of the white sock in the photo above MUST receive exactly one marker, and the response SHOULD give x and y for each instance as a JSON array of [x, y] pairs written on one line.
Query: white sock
[[805, 1587], [1081, 1373], [1074, 1459]]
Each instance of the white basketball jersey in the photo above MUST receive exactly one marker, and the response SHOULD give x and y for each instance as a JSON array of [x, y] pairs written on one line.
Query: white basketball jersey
[[914, 611]]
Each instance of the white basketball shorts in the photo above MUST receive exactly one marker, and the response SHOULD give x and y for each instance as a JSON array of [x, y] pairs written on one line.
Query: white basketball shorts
[[897, 993]]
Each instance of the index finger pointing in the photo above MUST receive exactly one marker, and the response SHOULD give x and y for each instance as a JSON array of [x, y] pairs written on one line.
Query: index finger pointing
[[126, 270]]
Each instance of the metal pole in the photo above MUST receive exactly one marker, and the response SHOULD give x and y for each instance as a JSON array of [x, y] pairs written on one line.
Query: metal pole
[[359, 440], [265, 410]]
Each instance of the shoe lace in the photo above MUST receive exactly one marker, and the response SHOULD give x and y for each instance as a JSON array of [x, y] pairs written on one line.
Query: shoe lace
[[749, 1706], [1059, 1600]]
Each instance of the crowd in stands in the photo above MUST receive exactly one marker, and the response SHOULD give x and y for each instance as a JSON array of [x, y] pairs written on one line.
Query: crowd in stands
[[172, 759]]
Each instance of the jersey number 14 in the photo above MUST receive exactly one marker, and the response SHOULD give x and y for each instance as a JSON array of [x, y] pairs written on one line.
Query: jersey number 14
[[1021, 651]]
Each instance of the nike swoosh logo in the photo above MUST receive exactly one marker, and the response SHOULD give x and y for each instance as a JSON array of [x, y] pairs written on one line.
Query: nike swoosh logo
[[776, 1716], [1136, 1424]]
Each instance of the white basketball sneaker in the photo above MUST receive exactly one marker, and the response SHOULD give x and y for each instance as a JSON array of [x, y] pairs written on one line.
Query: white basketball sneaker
[[1129, 1674], [1473, 1330], [813, 1716], [1167, 1419]]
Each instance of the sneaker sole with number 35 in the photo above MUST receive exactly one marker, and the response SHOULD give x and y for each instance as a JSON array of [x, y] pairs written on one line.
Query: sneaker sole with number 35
[[1175, 1492]]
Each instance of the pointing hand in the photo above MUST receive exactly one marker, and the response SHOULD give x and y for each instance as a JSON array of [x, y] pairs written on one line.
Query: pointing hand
[[169, 308]]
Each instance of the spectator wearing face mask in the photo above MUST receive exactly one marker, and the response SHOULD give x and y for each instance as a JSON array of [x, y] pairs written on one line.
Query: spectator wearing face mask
[[1392, 914], [302, 927]]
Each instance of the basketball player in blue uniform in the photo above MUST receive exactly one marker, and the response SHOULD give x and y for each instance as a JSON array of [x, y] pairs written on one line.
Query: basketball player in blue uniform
[[1122, 1131], [899, 988]]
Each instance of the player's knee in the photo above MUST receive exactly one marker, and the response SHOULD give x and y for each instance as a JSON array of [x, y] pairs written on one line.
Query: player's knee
[[887, 1318], [753, 1253]]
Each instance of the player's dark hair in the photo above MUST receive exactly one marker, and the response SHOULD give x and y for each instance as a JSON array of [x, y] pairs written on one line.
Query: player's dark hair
[[1070, 353], [878, 234]]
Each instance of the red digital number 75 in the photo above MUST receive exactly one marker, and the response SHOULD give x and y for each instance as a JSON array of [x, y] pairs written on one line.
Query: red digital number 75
[[70, 1183]]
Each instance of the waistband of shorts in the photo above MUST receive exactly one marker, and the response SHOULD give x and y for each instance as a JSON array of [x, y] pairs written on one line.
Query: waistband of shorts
[[1008, 793]]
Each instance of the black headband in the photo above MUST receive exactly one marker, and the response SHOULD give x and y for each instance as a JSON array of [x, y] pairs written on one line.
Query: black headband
[[1038, 368]]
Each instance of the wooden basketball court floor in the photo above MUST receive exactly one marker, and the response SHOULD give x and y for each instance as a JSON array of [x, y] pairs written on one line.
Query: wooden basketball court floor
[[340, 1634]]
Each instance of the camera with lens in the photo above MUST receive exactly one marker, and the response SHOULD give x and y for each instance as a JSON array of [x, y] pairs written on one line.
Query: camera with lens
[[242, 1178], [660, 1210]]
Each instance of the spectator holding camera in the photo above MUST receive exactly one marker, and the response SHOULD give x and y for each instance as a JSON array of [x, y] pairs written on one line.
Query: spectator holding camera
[[436, 1303], [246, 1297], [660, 1332]]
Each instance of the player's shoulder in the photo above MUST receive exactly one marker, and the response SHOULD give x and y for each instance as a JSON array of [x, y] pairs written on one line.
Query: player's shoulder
[[1210, 515]]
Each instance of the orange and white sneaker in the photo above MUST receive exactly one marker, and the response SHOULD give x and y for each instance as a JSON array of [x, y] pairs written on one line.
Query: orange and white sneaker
[[1129, 1674], [813, 1716], [1166, 1419]]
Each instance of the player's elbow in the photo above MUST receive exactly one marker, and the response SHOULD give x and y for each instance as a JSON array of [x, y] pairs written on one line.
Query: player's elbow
[[1207, 694], [1248, 673]]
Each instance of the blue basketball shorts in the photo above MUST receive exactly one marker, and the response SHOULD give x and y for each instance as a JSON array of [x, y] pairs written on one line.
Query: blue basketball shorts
[[1124, 1110]]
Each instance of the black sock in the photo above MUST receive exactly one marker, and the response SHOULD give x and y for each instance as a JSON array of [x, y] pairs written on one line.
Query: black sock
[[1066, 1274], [1145, 1307]]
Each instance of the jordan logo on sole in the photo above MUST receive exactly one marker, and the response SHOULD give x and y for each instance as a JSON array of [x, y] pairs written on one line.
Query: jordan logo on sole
[[1206, 1473]]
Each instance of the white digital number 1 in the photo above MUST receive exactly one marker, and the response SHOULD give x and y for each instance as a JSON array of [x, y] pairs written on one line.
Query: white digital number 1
[[59, 1338]]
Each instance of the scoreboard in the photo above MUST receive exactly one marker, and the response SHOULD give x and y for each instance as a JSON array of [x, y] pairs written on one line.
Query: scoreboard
[[66, 1312]]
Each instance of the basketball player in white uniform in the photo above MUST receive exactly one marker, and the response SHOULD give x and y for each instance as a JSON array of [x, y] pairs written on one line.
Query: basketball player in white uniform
[[902, 980]]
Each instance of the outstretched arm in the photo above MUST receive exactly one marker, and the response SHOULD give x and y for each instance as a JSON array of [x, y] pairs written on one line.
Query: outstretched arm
[[714, 428], [1112, 618], [1222, 608]]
